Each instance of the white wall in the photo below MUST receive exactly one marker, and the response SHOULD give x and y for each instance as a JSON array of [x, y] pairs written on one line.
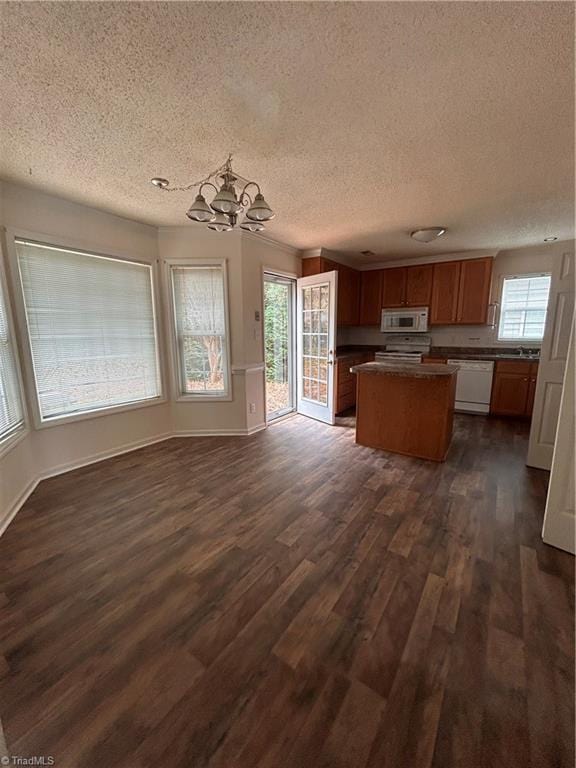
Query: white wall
[[540, 258], [58, 447], [246, 257]]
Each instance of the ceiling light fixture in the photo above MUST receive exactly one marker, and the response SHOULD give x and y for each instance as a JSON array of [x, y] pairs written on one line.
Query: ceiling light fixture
[[427, 235], [227, 206], [550, 239]]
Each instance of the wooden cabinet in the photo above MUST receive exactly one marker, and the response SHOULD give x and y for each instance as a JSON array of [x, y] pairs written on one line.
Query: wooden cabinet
[[457, 292], [513, 388], [445, 285], [419, 285], [346, 381], [474, 291], [461, 292], [370, 297], [394, 287], [407, 286], [348, 304], [348, 295]]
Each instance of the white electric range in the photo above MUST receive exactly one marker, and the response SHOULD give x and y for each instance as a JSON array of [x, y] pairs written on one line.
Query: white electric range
[[405, 349]]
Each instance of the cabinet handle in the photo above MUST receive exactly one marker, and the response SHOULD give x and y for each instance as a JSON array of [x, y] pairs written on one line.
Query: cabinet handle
[[525, 379]]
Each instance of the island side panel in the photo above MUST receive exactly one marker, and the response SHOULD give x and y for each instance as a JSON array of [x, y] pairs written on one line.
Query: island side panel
[[405, 414]]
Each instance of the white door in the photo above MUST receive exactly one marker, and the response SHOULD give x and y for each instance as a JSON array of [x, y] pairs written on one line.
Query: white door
[[315, 347], [552, 364], [559, 519]]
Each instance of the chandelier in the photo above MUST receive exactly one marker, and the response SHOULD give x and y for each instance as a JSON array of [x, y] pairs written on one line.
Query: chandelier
[[228, 207]]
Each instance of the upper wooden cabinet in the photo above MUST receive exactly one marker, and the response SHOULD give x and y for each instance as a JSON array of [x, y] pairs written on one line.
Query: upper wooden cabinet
[[445, 285], [461, 292], [407, 286], [419, 285], [370, 297], [457, 292], [394, 287], [348, 295], [474, 292], [348, 304]]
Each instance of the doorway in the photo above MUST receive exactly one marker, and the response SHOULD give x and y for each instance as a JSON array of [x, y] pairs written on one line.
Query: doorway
[[279, 344]]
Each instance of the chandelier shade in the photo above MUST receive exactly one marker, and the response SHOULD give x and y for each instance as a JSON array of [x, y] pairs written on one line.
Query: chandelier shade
[[260, 210], [200, 210], [220, 223], [225, 201], [252, 226], [232, 199]]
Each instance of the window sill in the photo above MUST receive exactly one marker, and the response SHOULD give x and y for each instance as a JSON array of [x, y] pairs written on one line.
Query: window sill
[[97, 412], [225, 397], [10, 442]]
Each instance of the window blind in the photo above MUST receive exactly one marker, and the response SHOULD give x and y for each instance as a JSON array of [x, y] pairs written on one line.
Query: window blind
[[200, 313], [91, 328], [11, 415], [524, 306]]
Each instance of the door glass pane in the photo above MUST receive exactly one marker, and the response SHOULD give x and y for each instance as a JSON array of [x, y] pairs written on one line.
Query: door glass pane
[[315, 343], [278, 318]]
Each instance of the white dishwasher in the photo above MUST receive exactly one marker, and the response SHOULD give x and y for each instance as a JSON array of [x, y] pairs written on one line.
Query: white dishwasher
[[473, 385]]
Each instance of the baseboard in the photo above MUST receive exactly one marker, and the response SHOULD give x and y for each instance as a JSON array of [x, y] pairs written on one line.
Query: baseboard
[[218, 432], [17, 504], [103, 455]]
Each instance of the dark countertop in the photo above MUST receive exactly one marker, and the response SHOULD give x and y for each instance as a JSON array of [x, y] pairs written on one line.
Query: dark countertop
[[454, 353], [413, 370], [463, 353], [351, 350]]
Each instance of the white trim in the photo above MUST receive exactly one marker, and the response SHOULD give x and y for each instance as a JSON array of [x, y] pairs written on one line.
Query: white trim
[[311, 253], [17, 504], [109, 410], [219, 432], [432, 259], [171, 335], [291, 249], [12, 440], [70, 466], [5, 274], [38, 421], [248, 368]]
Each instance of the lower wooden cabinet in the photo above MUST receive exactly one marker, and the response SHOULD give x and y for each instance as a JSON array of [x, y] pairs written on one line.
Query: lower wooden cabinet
[[513, 388], [346, 381]]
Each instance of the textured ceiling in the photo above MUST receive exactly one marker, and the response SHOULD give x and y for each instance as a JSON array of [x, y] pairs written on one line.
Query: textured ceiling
[[361, 121]]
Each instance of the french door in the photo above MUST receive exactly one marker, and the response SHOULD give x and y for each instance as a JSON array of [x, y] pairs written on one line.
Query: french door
[[279, 344], [315, 345]]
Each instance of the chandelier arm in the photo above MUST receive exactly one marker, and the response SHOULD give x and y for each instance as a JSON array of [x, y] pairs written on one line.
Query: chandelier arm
[[244, 195], [207, 184], [205, 180], [249, 184]]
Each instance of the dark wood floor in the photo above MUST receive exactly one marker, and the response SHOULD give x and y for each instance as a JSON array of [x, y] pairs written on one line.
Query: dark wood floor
[[290, 600]]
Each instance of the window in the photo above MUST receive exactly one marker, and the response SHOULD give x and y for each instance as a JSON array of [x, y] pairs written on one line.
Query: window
[[11, 415], [200, 315], [91, 328], [523, 310]]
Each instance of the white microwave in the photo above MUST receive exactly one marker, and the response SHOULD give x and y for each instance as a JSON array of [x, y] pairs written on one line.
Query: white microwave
[[405, 320]]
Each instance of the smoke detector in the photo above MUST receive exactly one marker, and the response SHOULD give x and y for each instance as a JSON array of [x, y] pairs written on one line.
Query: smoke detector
[[427, 235]]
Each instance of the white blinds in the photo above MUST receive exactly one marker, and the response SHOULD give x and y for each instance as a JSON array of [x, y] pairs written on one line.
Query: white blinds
[[91, 328], [11, 416], [200, 313], [524, 306]]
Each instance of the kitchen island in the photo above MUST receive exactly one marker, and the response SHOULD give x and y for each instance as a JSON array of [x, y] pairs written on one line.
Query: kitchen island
[[405, 407]]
